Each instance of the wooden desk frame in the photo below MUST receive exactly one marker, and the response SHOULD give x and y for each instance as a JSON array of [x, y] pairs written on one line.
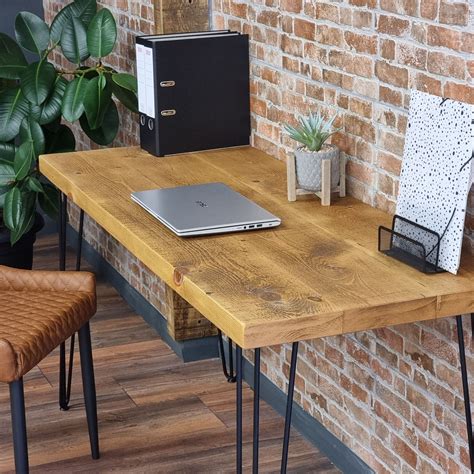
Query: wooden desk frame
[[238, 376]]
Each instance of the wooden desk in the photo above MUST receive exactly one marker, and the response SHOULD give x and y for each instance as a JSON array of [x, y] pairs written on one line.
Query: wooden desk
[[318, 274]]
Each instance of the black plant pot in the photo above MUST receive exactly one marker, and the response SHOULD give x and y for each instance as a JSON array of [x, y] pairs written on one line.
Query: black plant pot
[[21, 254]]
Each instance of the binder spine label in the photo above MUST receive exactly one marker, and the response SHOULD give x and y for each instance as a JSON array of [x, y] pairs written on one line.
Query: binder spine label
[[146, 80]]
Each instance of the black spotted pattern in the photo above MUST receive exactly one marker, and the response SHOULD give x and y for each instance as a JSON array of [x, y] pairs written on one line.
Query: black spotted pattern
[[437, 172]]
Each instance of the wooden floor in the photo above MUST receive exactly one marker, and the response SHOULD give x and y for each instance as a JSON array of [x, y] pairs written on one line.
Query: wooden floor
[[156, 414]]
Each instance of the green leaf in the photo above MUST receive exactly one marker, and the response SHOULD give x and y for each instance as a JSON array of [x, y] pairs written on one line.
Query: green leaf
[[50, 110], [7, 152], [105, 134], [7, 178], [58, 23], [31, 131], [49, 200], [83, 9], [59, 140], [125, 96], [13, 108], [73, 100], [11, 208], [101, 34], [96, 100], [18, 212], [31, 32], [126, 81], [37, 81], [7, 174], [24, 159], [12, 59], [34, 184], [74, 41]]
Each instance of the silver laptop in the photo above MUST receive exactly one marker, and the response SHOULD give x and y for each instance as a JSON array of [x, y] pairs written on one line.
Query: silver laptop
[[211, 208]]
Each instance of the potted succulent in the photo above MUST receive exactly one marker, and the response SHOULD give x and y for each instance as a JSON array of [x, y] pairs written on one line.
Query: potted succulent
[[34, 100], [313, 132]]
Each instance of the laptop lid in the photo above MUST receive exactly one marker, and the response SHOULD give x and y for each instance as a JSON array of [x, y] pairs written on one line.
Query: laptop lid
[[204, 208]]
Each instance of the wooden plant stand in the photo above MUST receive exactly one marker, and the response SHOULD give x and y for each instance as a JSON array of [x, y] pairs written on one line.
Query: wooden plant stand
[[325, 193]]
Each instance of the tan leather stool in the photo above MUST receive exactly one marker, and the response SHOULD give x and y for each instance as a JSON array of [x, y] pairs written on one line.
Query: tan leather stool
[[38, 311]]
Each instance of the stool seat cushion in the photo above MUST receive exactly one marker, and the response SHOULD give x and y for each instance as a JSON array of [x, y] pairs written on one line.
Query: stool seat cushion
[[38, 311]]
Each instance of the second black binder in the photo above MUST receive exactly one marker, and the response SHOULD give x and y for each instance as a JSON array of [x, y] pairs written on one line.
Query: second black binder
[[193, 92]]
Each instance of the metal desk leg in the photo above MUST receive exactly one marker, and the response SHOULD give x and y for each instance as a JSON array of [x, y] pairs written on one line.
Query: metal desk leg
[[256, 410], [65, 387], [239, 409], [289, 408], [228, 374], [465, 387]]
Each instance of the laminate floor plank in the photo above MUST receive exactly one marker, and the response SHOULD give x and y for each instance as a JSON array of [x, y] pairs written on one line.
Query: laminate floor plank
[[156, 413]]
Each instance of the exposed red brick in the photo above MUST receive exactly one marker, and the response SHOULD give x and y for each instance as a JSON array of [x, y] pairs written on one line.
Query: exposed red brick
[[426, 83], [304, 29], [429, 9], [387, 48], [291, 46], [392, 25], [454, 13], [398, 76], [360, 18], [294, 6], [359, 127], [390, 96], [389, 162], [446, 65], [329, 35], [445, 37], [402, 7], [410, 55], [461, 92], [327, 11], [404, 451], [361, 43]]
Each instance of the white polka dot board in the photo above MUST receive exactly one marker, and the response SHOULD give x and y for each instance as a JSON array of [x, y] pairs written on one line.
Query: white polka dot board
[[437, 173]]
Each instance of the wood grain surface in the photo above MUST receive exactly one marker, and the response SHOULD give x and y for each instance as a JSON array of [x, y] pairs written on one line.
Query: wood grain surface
[[318, 274], [176, 16]]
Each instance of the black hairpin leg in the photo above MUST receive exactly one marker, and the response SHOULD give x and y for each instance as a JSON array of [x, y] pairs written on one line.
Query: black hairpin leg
[[465, 386], [228, 374], [65, 387], [239, 409], [256, 410], [289, 408]]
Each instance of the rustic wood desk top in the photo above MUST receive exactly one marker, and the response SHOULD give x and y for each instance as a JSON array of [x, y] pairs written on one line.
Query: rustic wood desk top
[[318, 274]]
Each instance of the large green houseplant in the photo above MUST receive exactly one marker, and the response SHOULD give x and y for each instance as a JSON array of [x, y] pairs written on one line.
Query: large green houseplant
[[36, 99]]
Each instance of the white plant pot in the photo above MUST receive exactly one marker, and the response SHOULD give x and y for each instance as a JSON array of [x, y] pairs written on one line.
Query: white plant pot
[[308, 167]]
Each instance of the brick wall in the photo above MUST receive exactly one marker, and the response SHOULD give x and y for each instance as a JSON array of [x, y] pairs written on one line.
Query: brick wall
[[393, 395]]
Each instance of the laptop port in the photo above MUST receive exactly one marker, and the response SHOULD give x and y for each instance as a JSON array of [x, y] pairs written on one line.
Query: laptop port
[[259, 225], [251, 226]]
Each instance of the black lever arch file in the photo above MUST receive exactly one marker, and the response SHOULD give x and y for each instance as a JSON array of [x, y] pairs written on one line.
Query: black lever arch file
[[193, 91]]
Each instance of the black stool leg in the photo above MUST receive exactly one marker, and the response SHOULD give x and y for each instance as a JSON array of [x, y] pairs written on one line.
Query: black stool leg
[[20, 444], [88, 384]]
